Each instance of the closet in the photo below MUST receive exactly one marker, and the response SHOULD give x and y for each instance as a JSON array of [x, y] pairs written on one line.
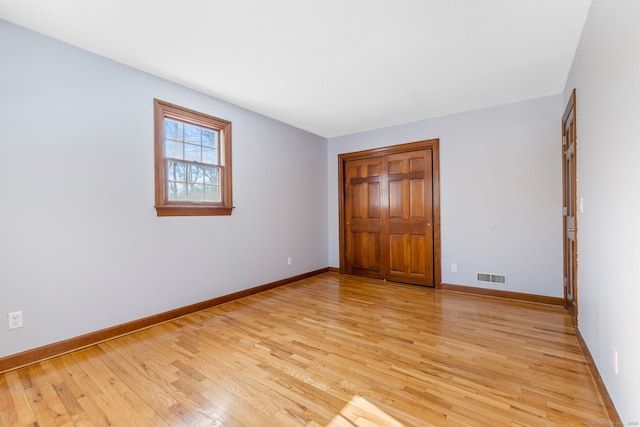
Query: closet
[[390, 214]]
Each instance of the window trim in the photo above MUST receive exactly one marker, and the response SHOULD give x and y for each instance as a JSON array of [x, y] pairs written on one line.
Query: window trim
[[165, 207]]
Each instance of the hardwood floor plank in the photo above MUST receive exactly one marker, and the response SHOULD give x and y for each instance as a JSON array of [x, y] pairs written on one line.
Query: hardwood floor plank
[[21, 406], [329, 350]]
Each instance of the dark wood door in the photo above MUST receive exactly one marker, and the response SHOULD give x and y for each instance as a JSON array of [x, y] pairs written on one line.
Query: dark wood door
[[408, 204], [569, 197], [364, 217], [389, 217]]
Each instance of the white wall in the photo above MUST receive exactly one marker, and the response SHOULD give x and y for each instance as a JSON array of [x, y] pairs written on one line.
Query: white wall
[[498, 166], [81, 248], [606, 74]]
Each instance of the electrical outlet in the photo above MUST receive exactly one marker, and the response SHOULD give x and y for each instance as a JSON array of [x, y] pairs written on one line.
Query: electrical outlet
[[615, 361], [15, 320], [289, 261], [454, 267]]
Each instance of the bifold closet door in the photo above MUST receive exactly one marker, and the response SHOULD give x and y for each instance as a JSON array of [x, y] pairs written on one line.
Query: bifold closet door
[[408, 229], [363, 215], [389, 217]]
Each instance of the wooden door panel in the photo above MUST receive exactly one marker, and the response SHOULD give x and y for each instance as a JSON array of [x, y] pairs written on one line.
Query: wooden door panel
[[416, 197], [365, 225], [414, 226], [394, 166], [569, 198], [409, 226], [364, 217], [397, 253], [396, 199], [388, 207], [365, 201], [417, 264], [417, 164], [373, 201], [357, 207], [409, 261], [366, 254], [407, 253]]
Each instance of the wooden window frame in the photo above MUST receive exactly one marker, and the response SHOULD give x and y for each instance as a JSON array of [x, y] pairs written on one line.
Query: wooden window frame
[[166, 207]]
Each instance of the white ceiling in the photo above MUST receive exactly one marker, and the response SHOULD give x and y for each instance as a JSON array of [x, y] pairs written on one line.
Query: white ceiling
[[331, 67]]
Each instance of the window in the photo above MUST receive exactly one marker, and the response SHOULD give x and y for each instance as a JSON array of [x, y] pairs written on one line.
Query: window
[[193, 162]]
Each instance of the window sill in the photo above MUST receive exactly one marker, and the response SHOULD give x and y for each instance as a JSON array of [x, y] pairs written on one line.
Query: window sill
[[190, 210]]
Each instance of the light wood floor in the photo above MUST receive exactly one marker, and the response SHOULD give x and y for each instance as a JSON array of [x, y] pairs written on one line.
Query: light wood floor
[[327, 351]]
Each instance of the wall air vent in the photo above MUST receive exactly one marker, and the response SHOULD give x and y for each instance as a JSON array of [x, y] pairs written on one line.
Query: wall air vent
[[500, 279]]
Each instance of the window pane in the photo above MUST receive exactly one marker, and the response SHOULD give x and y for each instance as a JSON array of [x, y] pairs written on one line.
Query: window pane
[[176, 190], [173, 129], [176, 172], [212, 193], [192, 134], [196, 173], [211, 176], [210, 156], [196, 192], [192, 152], [210, 138], [173, 149]]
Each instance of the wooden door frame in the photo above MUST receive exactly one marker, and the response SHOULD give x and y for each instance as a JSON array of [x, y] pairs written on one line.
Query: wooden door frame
[[434, 145], [571, 106]]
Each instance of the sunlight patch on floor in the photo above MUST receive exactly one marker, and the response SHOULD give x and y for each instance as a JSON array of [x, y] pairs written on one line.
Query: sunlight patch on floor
[[360, 412]]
